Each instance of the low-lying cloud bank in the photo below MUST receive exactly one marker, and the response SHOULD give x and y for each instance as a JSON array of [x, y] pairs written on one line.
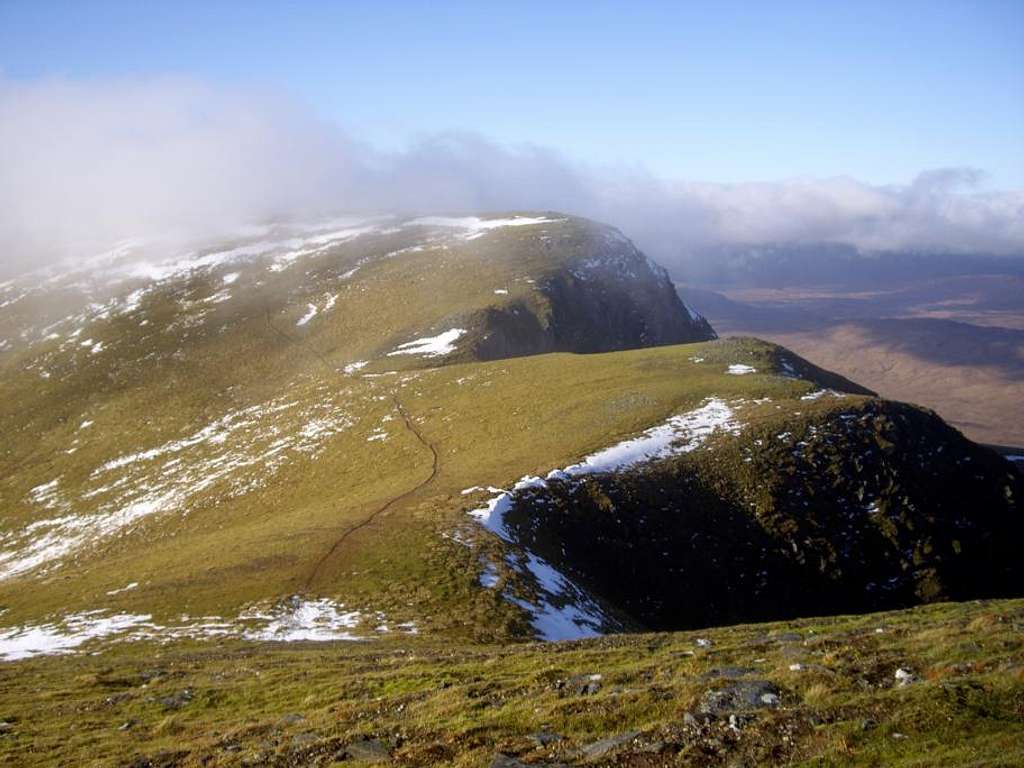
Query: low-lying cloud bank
[[86, 164]]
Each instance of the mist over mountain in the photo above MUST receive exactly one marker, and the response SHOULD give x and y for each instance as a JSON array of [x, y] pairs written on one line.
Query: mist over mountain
[[90, 163]]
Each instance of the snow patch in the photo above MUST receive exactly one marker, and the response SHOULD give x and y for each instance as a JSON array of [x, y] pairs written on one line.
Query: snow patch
[[47, 495], [218, 298], [310, 314], [739, 369], [473, 226], [227, 458], [431, 346], [298, 619], [291, 620], [354, 367], [489, 576], [819, 393], [563, 611], [125, 588], [679, 434], [66, 635]]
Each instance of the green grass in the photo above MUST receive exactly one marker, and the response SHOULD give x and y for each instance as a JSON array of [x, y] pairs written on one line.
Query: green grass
[[176, 364], [491, 423], [373, 524], [454, 704]]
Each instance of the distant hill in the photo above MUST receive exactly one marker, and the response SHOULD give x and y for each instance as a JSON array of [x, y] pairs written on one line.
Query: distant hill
[[774, 265]]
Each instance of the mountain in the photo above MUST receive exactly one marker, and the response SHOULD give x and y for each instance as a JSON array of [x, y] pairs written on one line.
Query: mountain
[[954, 344], [782, 264], [315, 411], [446, 430]]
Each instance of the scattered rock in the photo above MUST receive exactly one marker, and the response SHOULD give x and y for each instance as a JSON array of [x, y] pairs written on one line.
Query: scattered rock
[[703, 642], [869, 724], [602, 747], [899, 736], [696, 721], [177, 700], [292, 718], [127, 725], [543, 738], [737, 722], [788, 637], [728, 673], [504, 761], [367, 750], [798, 667], [581, 685], [163, 759], [654, 747], [741, 695], [904, 677]]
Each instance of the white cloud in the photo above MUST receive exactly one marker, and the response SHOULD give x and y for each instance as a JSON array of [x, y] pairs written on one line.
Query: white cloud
[[86, 164]]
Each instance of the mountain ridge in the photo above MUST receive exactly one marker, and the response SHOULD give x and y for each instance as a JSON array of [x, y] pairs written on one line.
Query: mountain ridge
[[281, 423]]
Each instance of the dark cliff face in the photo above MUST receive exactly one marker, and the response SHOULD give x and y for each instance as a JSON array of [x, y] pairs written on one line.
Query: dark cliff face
[[609, 297], [875, 507]]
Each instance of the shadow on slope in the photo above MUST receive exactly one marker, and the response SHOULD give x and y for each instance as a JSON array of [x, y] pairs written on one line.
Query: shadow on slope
[[876, 506]]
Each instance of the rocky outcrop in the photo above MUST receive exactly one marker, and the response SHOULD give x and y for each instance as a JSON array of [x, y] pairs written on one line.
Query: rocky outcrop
[[609, 297], [875, 506]]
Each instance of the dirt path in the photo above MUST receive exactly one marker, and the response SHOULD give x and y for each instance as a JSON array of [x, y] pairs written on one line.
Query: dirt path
[[409, 425]]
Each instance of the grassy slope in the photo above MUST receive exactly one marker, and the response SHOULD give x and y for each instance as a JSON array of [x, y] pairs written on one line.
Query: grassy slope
[[445, 704], [305, 530], [490, 423], [176, 363], [182, 359]]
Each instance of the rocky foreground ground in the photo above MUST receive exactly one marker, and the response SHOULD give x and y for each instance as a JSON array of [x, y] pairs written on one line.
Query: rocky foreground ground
[[937, 685]]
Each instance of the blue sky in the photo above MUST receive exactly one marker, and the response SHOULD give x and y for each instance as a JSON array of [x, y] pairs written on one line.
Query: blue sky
[[708, 91]]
